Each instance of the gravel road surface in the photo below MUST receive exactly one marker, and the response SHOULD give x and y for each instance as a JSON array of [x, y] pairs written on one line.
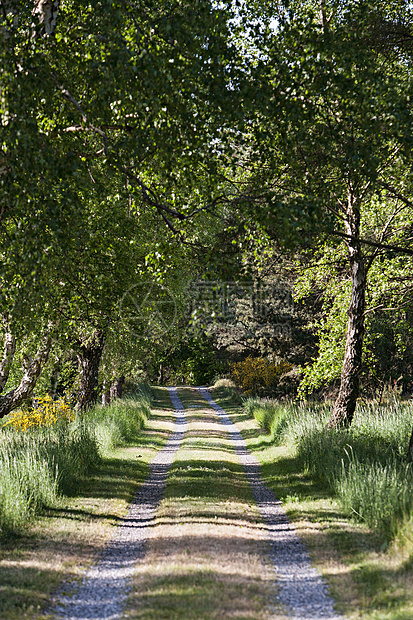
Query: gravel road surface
[[106, 586], [303, 593]]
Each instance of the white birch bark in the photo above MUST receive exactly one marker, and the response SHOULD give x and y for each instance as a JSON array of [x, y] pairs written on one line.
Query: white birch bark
[[105, 394], [345, 404], [47, 11], [15, 397], [9, 350]]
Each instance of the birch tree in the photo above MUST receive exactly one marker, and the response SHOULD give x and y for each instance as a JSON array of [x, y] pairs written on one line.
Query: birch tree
[[97, 96], [14, 397], [334, 132]]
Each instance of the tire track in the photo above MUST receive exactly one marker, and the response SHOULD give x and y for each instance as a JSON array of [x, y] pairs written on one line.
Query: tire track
[[106, 586], [302, 591]]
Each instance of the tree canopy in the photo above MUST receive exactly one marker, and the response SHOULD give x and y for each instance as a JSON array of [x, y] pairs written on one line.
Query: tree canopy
[[147, 145]]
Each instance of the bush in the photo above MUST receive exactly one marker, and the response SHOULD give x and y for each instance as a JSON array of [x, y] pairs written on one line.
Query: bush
[[256, 375], [46, 413], [193, 362]]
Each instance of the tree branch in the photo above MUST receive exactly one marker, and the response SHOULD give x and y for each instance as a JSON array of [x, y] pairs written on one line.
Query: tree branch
[[375, 244], [397, 194], [89, 126], [15, 397], [9, 350]]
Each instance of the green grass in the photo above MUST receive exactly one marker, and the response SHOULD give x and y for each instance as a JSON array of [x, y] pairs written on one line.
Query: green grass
[[65, 537], [365, 466], [121, 422], [37, 466], [270, 415], [40, 465], [207, 515]]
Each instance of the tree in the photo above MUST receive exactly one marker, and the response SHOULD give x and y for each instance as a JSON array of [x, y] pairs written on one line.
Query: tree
[[33, 367], [388, 338], [334, 131], [102, 97]]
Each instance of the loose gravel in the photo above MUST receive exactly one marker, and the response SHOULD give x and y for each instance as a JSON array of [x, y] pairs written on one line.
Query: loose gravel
[[106, 585], [302, 592]]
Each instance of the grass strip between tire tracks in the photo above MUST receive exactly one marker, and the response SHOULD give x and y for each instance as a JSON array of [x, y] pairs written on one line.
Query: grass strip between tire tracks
[[207, 557]]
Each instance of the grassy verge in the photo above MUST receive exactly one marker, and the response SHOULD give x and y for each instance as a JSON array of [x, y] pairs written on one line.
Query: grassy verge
[[57, 545], [46, 451], [369, 570], [205, 559]]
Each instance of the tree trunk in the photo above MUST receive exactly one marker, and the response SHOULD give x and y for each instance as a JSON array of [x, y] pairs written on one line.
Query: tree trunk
[[105, 394], [160, 375], [410, 450], [54, 379], [345, 404], [323, 16], [14, 398], [10, 19], [116, 389], [89, 362], [406, 372], [47, 10], [8, 356]]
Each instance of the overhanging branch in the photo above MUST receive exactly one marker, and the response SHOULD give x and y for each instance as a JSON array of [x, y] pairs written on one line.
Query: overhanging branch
[[87, 125], [374, 244]]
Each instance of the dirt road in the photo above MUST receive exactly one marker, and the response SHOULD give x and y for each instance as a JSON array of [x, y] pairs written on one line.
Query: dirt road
[[204, 538]]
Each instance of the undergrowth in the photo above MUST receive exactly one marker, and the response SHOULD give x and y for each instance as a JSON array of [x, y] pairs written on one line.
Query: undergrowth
[[121, 422], [40, 462], [364, 466]]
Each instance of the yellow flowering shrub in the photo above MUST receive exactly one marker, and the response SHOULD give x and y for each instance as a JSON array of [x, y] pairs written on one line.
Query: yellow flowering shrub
[[47, 413], [256, 374]]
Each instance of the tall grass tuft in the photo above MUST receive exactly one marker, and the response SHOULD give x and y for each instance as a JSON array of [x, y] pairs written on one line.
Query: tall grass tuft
[[270, 415], [45, 452], [121, 422], [379, 494], [365, 466], [36, 466], [15, 509]]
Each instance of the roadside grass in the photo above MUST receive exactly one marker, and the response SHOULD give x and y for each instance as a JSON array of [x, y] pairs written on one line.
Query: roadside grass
[[206, 558], [121, 422], [370, 572], [46, 452], [55, 548], [38, 465]]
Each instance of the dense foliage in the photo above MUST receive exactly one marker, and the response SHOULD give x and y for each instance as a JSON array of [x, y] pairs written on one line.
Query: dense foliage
[[147, 146]]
